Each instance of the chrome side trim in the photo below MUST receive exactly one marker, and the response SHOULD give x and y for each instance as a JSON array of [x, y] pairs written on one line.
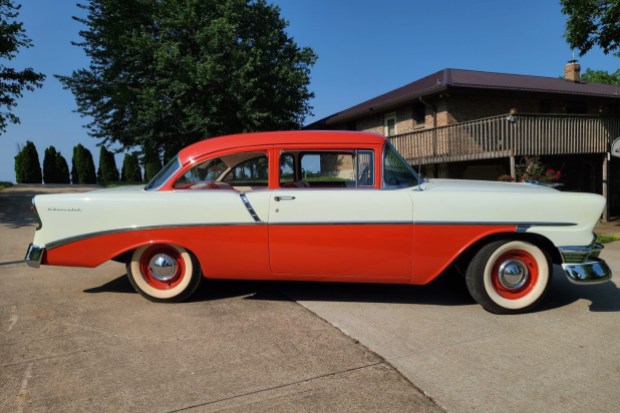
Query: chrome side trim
[[249, 207], [521, 226], [343, 223], [593, 271], [34, 256]]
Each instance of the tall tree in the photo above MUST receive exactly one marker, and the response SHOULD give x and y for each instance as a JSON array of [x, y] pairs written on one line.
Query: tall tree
[[167, 73], [82, 166], [27, 166], [593, 23], [131, 168], [62, 169], [51, 174], [107, 172], [601, 76], [13, 81]]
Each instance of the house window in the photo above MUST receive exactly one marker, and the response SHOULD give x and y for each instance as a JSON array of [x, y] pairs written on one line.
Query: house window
[[419, 114], [389, 123]]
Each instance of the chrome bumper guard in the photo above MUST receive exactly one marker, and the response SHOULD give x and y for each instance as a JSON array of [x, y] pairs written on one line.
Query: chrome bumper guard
[[583, 265], [594, 271], [34, 256]]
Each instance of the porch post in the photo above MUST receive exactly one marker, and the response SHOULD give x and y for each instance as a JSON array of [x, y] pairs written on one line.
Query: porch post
[[513, 171], [605, 186]]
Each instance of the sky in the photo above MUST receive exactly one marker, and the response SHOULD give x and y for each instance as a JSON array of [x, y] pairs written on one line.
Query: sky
[[364, 47]]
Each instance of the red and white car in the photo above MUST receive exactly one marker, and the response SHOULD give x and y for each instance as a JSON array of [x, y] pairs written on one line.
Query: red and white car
[[322, 206]]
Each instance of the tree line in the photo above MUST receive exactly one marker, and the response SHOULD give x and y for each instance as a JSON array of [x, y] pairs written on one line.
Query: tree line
[[56, 170]]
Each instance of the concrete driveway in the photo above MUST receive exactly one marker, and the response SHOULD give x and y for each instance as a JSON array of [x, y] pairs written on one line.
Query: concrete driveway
[[81, 340], [565, 357], [75, 340]]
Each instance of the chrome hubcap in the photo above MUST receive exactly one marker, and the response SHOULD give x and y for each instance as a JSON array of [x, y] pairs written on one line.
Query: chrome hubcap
[[163, 267], [513, 274]]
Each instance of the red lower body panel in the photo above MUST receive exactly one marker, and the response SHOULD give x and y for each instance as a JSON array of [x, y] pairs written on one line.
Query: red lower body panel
[[352, 253]]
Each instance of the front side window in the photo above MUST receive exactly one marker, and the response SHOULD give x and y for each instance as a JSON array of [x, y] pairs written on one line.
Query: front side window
[[396, 172], [252, 172], [240, 171]]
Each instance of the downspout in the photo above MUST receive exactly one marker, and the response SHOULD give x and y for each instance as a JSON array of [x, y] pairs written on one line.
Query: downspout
[[434, 109]]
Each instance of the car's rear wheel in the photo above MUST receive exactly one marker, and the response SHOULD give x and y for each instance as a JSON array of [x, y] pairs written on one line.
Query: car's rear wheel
[[164, 272], [509, 276]]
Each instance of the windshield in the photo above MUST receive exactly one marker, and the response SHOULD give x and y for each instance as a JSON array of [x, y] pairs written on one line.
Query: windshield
[[396, 172], [164, 174]]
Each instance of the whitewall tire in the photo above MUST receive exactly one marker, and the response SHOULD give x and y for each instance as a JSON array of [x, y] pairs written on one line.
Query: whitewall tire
[[509, 276], [163, 272]]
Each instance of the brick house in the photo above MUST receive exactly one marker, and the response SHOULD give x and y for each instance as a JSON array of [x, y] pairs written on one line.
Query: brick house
[[470, 124]]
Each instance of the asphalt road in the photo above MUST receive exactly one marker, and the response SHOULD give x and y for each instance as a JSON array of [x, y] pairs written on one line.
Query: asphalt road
[[74, 339]]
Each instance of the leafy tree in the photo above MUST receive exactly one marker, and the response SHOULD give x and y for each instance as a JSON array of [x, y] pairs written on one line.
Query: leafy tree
[[601, 76], [12, 81], [167, 73], [152, 165], [82, 166], [593, 23], [131, 168], [107, 172], [27, 166]]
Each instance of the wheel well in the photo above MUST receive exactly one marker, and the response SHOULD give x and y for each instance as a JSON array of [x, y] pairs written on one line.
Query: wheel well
[[541, 242]]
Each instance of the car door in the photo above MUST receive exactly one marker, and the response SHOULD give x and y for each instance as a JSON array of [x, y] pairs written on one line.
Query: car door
[[338, 225]]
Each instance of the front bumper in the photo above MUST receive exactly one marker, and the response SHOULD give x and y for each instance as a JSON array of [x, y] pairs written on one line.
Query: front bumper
[[34, 256], [593, 271], [582, 265]]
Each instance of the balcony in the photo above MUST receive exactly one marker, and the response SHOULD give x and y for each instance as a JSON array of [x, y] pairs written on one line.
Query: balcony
[[509, 135]]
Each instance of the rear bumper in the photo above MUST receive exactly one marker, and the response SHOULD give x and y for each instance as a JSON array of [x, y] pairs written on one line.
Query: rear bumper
[[34, 256], [593, 271]]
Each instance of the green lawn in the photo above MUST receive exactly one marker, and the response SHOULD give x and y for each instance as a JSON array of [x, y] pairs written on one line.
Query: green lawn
[[4, 184], [606, 238]]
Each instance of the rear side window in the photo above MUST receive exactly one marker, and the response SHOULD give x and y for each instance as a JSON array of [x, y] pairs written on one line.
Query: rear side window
[[328, 169]]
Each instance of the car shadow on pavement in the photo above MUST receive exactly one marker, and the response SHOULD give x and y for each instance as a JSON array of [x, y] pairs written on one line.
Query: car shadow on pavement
[[448, 289], [209, 290], [603, 297]]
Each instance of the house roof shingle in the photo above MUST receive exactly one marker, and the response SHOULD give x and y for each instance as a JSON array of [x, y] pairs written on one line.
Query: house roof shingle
[[470, 79]]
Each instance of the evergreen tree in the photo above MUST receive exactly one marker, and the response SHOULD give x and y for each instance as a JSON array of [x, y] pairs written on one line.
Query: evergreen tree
[[83, 167], [167, 73], [27, 166], [62, 169], [50, 166], [12, 81], [131, 169], [107, 172]]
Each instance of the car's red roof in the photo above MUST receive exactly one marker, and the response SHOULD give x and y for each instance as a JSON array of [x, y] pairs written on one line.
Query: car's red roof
[[276, 138]]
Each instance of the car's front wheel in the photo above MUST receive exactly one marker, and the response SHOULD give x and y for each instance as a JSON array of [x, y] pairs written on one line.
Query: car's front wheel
[[509, 276], [164, 272]]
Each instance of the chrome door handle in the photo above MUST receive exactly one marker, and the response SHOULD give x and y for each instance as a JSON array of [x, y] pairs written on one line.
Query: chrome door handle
[[283, 198]]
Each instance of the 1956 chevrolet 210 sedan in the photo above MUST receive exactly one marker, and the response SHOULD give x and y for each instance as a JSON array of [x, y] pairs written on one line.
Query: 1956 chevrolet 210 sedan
[[322, 206]]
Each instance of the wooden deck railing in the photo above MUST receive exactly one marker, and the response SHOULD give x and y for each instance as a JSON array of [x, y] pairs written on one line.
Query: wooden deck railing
[[509, 135]]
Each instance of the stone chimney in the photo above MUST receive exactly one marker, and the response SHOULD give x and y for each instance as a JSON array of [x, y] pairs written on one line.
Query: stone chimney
[[571, 71]]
